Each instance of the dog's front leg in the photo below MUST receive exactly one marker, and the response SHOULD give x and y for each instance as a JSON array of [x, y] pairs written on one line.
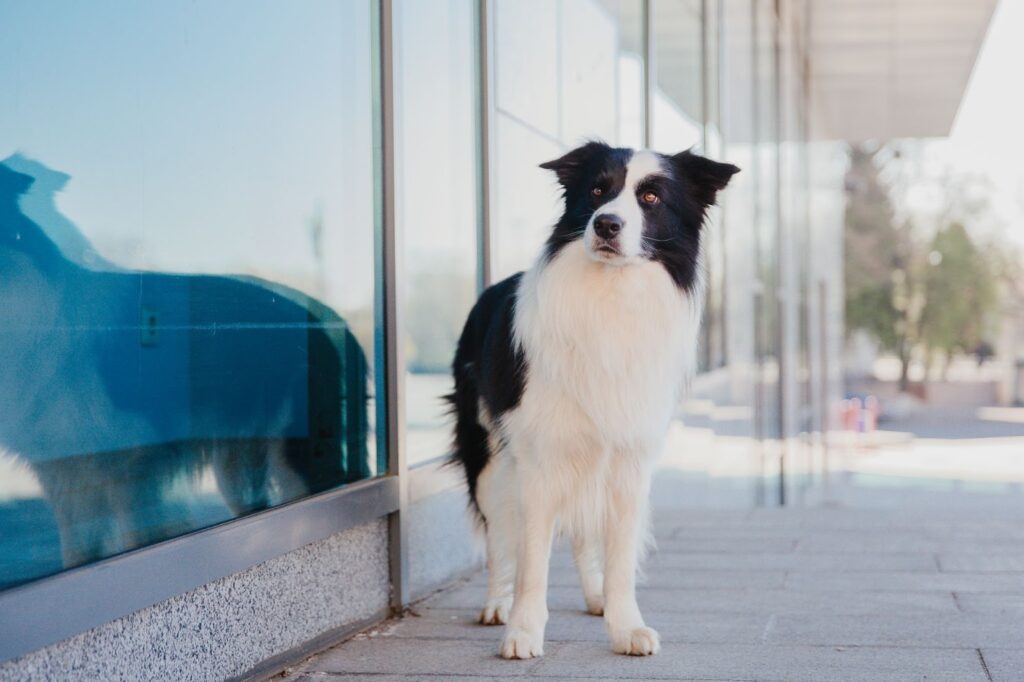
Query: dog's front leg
[[625, 521], [524, 636]]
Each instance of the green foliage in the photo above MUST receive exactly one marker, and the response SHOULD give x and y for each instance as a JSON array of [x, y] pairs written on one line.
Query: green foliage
[[871, 247], [960, 292], [907, 292], [870, 308]]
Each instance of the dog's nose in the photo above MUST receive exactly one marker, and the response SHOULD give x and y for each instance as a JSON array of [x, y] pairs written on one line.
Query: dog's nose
[[607, 225]]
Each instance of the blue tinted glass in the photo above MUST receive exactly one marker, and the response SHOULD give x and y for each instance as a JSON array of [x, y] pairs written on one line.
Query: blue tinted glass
[[186, 268]]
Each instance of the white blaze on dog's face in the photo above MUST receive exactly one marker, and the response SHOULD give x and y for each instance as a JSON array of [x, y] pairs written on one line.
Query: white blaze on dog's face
[[615, 232], [636, 206]]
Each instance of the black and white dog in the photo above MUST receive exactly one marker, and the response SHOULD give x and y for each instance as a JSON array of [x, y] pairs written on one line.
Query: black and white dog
[[566, 378]]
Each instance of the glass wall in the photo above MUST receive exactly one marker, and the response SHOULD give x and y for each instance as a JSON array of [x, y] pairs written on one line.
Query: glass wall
[[187, 257], [713, 353], [192, 265], [715, 444], [437, 180], [677, 115], [564, 72], [767, 207]]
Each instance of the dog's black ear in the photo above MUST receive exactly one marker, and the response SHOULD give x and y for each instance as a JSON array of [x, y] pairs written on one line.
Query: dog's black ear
[[569, 167], [703, 176]]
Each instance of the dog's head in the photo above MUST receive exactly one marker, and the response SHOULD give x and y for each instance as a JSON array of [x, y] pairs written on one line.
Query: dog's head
[[634, 206]]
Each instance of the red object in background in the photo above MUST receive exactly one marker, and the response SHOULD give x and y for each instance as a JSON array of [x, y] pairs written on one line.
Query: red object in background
[[858, 416], [871, 411]]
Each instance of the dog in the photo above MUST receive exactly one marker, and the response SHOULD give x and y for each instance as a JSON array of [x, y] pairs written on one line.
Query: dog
[[566, 379]]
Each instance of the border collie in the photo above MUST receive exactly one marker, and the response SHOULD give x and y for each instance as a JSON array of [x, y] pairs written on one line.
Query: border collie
[[566, 378]]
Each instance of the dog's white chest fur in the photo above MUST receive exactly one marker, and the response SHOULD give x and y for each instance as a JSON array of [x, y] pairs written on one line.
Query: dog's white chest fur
[[608, 348]]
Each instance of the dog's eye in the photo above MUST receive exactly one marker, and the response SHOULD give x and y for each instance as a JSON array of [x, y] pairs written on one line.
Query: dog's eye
[[649, 198], [597, 191]]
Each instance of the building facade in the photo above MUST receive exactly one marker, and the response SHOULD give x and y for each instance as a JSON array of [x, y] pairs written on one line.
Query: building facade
[[237, 245]]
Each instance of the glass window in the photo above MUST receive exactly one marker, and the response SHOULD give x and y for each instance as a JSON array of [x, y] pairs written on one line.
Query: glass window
[[438, 202], [677, 101], [187, 246], [723, 399], [525, 62], [713, 342], [565, 72], [631, 70], [767, 207]]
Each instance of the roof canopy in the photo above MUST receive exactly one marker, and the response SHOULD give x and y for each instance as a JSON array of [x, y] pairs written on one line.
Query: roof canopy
[[893, 68]]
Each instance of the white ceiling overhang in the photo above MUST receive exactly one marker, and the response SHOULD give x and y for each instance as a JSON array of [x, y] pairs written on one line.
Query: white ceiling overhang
[[883, 69]]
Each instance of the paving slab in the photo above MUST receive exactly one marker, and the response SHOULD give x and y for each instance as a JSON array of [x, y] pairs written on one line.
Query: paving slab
[[744, 544], [890, 581], [753, 561], [987, 562], [583, 627], [658, 575], [857, 543], [957, 630], [1004, 665], [766, 663], [1010, 604], [397, 655], [736, 599], [347, 677]]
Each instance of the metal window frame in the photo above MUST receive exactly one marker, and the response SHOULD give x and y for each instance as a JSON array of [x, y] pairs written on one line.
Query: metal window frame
[[485, 140], [391, 304], [52, 609]]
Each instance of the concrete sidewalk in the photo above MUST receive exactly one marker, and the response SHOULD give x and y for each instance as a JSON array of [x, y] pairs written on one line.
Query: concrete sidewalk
[[933, 592]]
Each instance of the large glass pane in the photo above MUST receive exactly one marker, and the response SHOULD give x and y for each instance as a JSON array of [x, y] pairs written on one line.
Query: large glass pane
[[677, 101], [187, 269], [713, 335], [437, 190], [564, 72], [767, 207], [720, 409]]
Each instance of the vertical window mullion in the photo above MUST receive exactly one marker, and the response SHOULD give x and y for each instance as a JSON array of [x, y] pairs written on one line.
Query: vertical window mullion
[[390, 255], [485, 148]]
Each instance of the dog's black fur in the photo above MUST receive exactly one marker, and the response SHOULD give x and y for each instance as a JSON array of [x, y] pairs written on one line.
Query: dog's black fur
[[489, 365]]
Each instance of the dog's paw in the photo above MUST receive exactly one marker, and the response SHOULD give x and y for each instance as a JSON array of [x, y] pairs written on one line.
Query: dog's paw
[[495, 611], [595, 605], [641, 641], [522, 644]]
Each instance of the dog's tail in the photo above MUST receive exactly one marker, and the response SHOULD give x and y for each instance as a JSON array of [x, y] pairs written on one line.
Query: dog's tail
[[470, 448]]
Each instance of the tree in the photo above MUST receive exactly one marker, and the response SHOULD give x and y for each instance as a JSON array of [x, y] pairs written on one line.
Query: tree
[[960, 293], [881, 258], [912, 293]]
